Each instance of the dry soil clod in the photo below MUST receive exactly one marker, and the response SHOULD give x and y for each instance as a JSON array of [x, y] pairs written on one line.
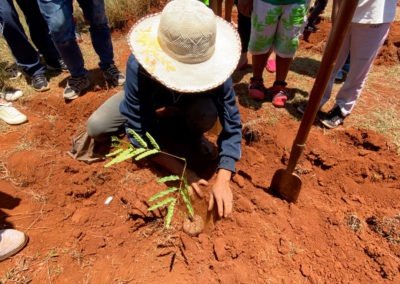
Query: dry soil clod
[[193, 227]]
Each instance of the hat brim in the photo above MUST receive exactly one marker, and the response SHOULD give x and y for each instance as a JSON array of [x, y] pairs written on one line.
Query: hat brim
[[184, 77]]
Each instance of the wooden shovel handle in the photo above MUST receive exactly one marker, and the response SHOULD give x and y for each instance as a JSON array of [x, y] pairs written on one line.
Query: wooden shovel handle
[[335, 40]]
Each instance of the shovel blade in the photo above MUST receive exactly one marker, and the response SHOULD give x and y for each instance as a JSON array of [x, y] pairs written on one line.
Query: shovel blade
[[286, 184]]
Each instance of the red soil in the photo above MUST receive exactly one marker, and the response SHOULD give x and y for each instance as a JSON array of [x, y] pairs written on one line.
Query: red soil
[[342, 229]]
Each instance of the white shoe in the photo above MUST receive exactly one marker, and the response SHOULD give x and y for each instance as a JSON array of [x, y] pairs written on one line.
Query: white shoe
[[11, 95], [11, 242], [11, 115]]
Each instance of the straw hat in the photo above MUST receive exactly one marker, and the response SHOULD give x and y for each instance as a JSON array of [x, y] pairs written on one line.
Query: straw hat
[[186, 47]]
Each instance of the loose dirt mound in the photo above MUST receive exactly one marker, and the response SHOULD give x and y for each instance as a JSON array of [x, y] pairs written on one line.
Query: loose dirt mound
[[344, 227]]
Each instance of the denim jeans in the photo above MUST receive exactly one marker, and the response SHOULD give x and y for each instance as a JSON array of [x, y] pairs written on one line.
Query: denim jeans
[[58, 14], [24, 53]]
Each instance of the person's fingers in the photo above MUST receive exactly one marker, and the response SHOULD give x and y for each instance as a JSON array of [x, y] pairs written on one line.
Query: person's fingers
[[220, 206], [203, 182], [227, 207], [197, 189], [211, 202]]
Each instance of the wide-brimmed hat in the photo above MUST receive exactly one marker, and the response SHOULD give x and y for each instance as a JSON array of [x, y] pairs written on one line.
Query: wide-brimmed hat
[[186, 47]]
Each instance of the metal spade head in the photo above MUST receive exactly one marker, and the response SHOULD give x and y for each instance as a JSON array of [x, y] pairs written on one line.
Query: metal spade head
[[286, 184]]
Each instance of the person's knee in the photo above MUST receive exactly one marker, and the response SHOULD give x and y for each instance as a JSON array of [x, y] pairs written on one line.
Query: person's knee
[[95, 126], [201, 114], [61, 27]]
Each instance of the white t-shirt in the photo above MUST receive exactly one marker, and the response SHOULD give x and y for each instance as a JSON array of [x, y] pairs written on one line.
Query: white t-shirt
[[375, 11]]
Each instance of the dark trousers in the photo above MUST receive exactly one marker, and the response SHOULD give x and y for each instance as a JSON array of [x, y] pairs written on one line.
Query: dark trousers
[[59, 17], [24, 53], [317, 9]]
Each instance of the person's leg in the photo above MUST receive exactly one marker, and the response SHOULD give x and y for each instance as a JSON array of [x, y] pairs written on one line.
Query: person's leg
[[228, 10], [262, 37], [106, 120], [200, 114], [244, 28], [366, 41], [289, 30], [38, 30], [95, 13], [343, 53], [60, 21], [318, 8], [25, 55]]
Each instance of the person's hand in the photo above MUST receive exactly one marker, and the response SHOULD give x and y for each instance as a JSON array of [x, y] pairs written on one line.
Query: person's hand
[[195, 182], [245, 7], [221, 194]]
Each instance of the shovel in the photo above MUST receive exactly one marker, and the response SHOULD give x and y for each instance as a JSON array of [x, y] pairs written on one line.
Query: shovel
[[284, 182]]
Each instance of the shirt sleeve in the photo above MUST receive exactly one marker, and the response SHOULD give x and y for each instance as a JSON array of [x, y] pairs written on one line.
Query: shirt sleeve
[[230, 138], [137, 106]]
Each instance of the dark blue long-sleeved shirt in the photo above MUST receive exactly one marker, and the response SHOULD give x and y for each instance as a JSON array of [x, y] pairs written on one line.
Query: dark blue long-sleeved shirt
[[144, 95]]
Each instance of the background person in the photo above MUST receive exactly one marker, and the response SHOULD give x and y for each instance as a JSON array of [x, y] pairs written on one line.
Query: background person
[[275, 27], [25, 55], [60, 20], [366, 35]]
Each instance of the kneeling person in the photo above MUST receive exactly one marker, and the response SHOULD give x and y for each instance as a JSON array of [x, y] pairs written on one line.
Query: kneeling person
[[182, 58]]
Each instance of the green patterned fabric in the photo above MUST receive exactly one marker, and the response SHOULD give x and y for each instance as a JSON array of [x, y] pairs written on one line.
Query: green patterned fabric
[[277, 26], [285, 2]]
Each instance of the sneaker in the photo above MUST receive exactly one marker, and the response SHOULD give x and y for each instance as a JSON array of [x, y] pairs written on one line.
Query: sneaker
[[57, 65], [113, 75], [11, 95], [279, 95], [11, 242], [333, 118], [75, 86], [311, 28], [39, 83], [10, 114], [301, 108], [271, 65], [256, 88]]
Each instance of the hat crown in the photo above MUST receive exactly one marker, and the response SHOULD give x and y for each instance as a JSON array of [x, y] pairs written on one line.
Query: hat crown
[[187, 31]]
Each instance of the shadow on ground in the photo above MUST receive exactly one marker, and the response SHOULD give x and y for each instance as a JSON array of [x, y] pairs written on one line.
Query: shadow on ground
[[305, 66], [7, 202]]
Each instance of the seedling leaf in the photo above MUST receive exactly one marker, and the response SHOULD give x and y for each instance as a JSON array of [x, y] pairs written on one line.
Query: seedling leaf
[[153, 141], [170, 213], [147, 153], [168, 178], [126, 154], [163, 193], [115, 152], [138, 138], [161, 203]]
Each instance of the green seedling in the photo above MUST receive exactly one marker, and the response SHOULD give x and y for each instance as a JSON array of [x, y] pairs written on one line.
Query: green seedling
[[171, 195]]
